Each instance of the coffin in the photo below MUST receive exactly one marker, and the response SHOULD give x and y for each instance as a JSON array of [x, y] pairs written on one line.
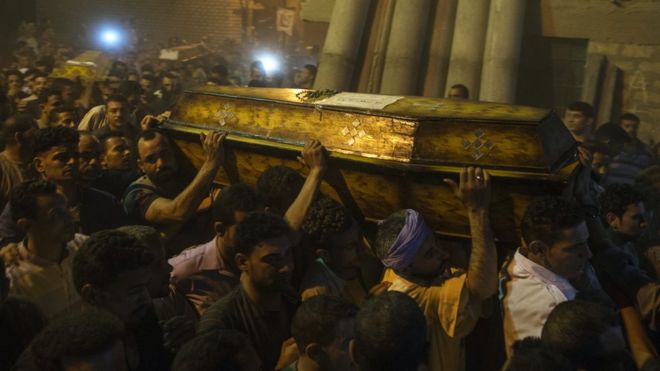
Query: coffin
[[390, 152], [90, 66]]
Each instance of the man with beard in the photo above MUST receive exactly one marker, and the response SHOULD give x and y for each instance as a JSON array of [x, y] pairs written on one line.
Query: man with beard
[[263, 304], [417, 265], [112, 271], [161, 199]]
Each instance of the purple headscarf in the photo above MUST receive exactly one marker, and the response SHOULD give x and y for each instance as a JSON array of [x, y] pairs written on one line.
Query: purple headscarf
[[402, 252]]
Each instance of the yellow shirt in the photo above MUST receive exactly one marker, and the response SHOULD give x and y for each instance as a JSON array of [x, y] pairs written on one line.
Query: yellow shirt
[[450, 316]]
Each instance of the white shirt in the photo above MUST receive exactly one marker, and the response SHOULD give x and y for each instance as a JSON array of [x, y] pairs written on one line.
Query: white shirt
[[529, 292]]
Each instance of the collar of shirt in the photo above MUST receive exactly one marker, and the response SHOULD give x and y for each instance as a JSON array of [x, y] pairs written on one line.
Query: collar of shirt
[[526, 267], [27, 255]]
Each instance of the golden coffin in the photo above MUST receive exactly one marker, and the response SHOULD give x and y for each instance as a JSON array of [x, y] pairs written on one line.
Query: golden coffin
[[91, 65], [392, 152]]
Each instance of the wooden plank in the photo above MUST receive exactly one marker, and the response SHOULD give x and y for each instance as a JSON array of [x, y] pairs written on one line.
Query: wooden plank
[[633, 22], [594, 73], [607, 95]]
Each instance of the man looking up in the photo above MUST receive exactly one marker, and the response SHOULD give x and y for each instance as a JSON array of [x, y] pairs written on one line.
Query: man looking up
[[161, 199], [579, 119], [417, 265], [49, 101], [117, 119], [262, 305], [118, 165]]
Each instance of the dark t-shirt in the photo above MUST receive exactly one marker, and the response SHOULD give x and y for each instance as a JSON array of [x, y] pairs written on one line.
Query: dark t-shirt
[[137, 200], [266, 330], [115, 182]]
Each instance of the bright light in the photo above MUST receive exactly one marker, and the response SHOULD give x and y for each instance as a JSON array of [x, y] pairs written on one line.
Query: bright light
[[270, 62], [110, 38]]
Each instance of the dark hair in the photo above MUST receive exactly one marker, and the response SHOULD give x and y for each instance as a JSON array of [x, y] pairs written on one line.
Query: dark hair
[[616, 198], [546, 216], [47, 138], [13, 73], [630, 116], [36, 73], [280, 185], [43, 97], [105, 255], [574, 327], [217, 350], [585, 108], [220, 69], [325, 219], [598, 147], [390, 334], [116, 98], [236, 197], [62, 109], [388, 231], [18, 123], [23, 197], [317, 318], [612, 136], [464, 90], [311, 68], [85, 334], [256, 228], [148, 236], [109, 135], [149, 78], [530, 354], [150, 134]]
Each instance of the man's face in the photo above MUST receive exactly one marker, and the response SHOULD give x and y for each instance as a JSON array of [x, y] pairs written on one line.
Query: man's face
[[127, 296], [456, 93], [156, 159], [431, 259], [270, 264], [39, 85], [89, 164], [600, 163], [117, 155], [631, 127], [168, 84], [568, 256], [116, 114], [576, 121], [54, 101], [14, 82], [345, 248], [228, 232], [147, 87], [159, 284], [53, 219], [65, 119], [632, 222], [59, 164]]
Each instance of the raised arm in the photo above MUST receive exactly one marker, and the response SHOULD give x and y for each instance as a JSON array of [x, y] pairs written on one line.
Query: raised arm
[[183, 206], [474, 192], [315, 157]]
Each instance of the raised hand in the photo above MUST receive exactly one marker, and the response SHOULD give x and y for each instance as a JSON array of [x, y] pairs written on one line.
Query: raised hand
[[213, 147], [473, 188], [314, 155]]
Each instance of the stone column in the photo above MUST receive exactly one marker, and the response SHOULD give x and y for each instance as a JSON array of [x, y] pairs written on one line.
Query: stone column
[[440, 49], [499, 75], [405, 47], [338, 59], [467, 48]]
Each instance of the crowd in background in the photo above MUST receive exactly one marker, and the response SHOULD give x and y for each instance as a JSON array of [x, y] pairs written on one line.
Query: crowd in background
[[116, 256]]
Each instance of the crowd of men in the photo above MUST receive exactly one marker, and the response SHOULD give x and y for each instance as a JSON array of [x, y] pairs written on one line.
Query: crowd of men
[[114, 258]]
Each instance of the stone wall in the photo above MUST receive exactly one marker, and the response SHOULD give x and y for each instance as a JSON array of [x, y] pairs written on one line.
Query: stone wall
[[641, 81]]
